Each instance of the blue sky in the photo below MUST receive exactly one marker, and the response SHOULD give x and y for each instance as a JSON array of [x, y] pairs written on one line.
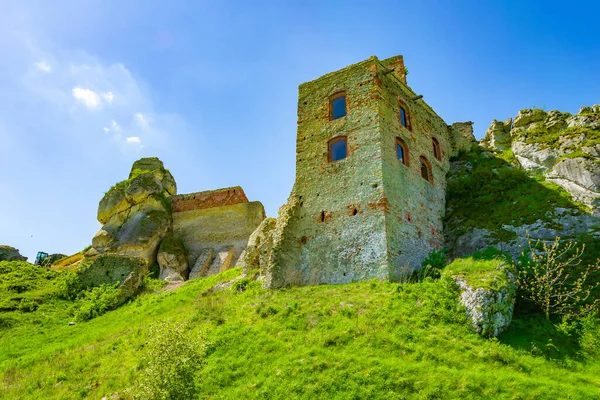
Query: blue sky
[[210, 87]]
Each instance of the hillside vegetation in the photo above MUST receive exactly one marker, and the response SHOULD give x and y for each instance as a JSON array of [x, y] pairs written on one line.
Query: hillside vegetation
[[361, 340]]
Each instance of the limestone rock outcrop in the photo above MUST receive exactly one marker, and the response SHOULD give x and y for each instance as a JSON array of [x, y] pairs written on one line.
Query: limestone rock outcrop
[[563, 147], [549, 147], [173, 259], [498, 135], [487, 290], [260, 245], [8, 253], [462, 137], [136, 212]]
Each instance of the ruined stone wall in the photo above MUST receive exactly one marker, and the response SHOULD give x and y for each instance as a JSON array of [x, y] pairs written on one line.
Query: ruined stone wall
[[219, 220], [414, 219], [365, 216], [333, 227]]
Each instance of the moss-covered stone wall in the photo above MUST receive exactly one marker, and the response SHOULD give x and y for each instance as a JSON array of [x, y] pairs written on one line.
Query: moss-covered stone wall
[[414, 221], [367, 215]]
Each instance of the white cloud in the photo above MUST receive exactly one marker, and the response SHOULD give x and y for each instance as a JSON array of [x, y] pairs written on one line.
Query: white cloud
[[142, 121], [108, 97], [86, 96], [134, 139], [43, 66], [106, 130], [115, 126]]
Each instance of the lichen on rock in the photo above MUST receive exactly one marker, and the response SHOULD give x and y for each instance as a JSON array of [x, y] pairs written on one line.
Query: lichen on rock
[[487, 291], [172, 258], [113, 269]]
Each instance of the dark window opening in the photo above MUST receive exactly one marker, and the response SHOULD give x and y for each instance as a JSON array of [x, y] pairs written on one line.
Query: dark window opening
[[338, 106], [403, 118], [404, 115], [338, 149], [437, 152], [402, 151], [322, 216], [426, 170], [355, 212]]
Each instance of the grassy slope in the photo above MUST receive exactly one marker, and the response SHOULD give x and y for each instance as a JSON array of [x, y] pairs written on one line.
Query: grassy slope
[[364, 340]]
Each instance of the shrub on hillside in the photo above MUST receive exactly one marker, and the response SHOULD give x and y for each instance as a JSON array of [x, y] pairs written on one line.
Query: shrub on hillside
[[96, 301], [552, 276], [169, 366], [432, 266]]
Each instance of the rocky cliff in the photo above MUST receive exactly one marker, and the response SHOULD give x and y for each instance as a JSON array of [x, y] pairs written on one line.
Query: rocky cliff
[[537, 174]]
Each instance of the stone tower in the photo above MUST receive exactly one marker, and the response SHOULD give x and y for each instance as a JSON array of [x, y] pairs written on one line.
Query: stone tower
[[369, 195]]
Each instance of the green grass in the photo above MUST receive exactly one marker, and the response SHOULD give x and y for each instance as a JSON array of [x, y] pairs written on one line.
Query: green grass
[[361, 340], [486, 274], [493, 193]]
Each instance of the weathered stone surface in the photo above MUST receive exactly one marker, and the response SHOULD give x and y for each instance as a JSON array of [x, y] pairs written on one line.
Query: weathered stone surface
[[173, 259], [203, 263], [218, 227], [528, 116], [582, 171], [489, 309], [8, 253], [113, 202], [141, 234], [223, 260], [141, 187], [462, 137], [146, 164], [260, 245], [497, 137], [533, 157], [112, 269], [369, 215], [209, 199]]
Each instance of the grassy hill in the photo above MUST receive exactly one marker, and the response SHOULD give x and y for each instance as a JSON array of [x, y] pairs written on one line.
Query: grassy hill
[[355, 341]]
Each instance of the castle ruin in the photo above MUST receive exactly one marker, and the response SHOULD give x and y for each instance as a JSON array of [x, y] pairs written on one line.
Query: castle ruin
[[368, 199]]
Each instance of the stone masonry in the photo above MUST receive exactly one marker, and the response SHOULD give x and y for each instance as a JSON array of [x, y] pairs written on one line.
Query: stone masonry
[[368, 215]]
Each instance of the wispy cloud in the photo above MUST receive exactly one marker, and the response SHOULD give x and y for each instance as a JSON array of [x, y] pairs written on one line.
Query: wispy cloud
[[133, 140], [43, 66], [142, 121], [87, 97]]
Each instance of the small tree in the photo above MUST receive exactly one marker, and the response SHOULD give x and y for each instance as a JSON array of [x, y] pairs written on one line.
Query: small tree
[[170, 364], [550, 275]]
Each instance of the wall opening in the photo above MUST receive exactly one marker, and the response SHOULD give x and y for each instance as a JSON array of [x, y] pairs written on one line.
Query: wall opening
[[402, 151], [425, 166], [437, 150], [338, 148], [337, 106]]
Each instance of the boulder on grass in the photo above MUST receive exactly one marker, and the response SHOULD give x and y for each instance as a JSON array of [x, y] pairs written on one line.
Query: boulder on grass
[[488, 292]]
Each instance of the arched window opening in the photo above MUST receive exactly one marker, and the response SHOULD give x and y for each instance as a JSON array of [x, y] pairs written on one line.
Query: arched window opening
[[402, 151], [337, 106], [338, 148], [437, 151], [426, 170], [404, 115]]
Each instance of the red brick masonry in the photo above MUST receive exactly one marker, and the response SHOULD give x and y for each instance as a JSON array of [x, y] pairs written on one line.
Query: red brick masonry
[[209, 199]]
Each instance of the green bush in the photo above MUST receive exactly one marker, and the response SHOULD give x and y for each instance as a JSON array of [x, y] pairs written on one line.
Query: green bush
[[170, 363], [96, 301], [589, 338]]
